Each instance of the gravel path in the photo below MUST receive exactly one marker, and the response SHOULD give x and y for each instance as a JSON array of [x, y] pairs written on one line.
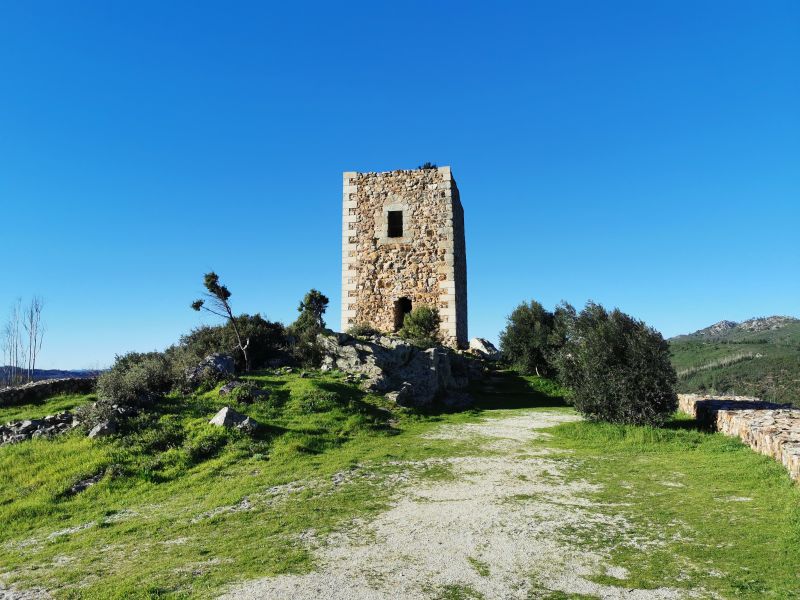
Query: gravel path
[[492, 531]]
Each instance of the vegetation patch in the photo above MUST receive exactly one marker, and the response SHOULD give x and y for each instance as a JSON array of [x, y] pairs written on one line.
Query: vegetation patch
[[37, 410], [750, 362], [687, 486]]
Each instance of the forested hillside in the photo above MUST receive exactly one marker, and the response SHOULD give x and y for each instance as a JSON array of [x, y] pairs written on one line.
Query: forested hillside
[[758, 357]]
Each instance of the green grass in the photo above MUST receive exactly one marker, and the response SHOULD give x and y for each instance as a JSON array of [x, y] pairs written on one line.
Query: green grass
[[729, 518], [37, 410], [140, 535], [153, 526]]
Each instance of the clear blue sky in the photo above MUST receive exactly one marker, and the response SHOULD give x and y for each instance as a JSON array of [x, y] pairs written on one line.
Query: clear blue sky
[[642, 154]]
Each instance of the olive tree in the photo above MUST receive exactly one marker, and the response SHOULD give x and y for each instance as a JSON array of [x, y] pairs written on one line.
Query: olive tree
[[617, 368], [533, 336]]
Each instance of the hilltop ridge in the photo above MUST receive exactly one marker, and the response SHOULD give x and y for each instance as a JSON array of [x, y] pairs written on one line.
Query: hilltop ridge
[[753, 325]]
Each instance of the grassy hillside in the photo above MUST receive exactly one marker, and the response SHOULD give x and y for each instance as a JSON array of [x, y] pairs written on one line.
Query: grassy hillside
[[753, 358], [184, 509]]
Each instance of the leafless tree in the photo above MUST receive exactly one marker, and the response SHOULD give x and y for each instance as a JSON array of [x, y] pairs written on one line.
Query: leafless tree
[[13, 345], [35, 329]]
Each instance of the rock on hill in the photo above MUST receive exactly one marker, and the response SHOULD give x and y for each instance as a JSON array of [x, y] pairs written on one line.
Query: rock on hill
[[726, 329], [758, 357]]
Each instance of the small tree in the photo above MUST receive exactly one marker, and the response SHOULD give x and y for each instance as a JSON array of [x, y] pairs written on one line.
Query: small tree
[[308, 325], [617, 368], [427, 165], [218, 296], [421, 326], [311, 309], [532, 337]]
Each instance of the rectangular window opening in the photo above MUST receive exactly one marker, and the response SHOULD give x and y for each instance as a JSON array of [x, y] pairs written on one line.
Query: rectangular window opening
[[395, 228]]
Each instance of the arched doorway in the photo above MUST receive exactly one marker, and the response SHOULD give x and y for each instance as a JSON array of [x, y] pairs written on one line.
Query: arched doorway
[[402, 306]]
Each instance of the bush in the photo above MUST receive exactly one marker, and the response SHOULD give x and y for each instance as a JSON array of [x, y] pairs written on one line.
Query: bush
[[533, 336], [92, 414], [362, 330], [135, 378], [617, 369], [206, 442], [317, 401], [246, 393], [267, 341], [421, 326]]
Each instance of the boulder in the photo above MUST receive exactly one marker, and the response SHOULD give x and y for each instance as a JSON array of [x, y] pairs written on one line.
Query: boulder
[[404, 396], [212, 368], [484, 348], [103, 429], [227, 417], [229, 387], [409, 375]]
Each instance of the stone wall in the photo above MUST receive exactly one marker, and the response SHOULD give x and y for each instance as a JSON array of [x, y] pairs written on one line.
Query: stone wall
[[41, 390], [426, 265], [771, 429]]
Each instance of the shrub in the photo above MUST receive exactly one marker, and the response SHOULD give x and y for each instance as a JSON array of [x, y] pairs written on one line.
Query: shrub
[[135, 378], [617, 369], [362, 330], [427, 165], [206, 442], [317, 401], [245, 393], [421, 326], [533, 336], [267, 341], [94, 413]]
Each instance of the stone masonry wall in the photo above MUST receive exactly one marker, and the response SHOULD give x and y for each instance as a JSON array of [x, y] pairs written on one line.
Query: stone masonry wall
[[771, 429], [40, 390], [427, 264]]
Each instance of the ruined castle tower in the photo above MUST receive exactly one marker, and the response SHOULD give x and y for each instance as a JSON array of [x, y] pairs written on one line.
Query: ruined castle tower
[[402, 247]]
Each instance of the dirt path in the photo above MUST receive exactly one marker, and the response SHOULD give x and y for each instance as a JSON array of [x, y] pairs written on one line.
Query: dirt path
[[493, 530]]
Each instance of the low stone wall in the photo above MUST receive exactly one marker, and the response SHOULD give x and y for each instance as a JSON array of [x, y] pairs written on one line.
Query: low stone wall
[[41, 390], [771, 429]]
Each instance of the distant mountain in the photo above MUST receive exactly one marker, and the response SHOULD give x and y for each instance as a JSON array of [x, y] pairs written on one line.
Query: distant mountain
[[39, 374], [730, 329], [757, 357]]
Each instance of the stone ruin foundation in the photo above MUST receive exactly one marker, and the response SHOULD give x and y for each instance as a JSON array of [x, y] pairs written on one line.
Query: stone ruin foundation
[[771, 429]]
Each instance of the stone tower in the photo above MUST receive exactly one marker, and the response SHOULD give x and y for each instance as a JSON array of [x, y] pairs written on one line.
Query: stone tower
[[403, 246]]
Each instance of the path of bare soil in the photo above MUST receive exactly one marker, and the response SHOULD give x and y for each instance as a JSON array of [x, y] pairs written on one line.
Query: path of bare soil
[[494, 529]]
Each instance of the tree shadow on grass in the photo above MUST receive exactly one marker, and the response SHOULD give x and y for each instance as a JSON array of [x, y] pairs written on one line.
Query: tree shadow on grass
[[685, 424], [508, 389], [353, 398]]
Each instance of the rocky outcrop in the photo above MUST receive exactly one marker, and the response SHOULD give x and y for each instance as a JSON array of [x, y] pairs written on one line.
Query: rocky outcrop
[[213, 368], [49, 426], [103, 429], [41, 390], [409, 375], [771, 429], [484, 348]]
